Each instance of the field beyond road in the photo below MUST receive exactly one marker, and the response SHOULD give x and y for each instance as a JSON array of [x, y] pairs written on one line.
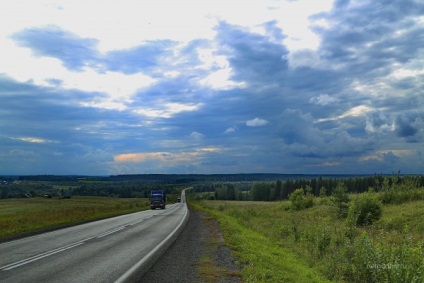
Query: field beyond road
[[275, 243], [21, 217]]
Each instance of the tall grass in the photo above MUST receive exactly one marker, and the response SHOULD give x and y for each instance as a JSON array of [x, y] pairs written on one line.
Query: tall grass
[[20, 216], [262, 258], [336, 249]]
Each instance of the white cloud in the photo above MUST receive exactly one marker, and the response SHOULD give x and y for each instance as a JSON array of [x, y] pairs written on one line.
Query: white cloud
[[220, 80], [33, 140], [379, 155], [323, 99], [168, 110], [257, 122], [196, 136], [230, 130], [357, 111]]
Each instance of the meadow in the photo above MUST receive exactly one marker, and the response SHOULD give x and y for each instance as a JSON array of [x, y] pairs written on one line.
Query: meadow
[[24, 216], [275, 243]]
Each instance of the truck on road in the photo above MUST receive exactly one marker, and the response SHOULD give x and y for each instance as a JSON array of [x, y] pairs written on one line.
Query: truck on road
[[157, 199]]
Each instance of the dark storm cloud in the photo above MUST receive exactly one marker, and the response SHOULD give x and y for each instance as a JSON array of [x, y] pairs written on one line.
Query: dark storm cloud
[[408, 125], [372, 34], [403, 127], [44, 130], [52, 41], [305, 139], [254, 57]]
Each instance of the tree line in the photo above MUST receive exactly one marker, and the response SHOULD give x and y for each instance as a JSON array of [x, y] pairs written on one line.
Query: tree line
[[279, 190]]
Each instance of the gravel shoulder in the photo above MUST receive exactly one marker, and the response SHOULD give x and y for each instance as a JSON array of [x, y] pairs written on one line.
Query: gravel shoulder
[[198, 255]]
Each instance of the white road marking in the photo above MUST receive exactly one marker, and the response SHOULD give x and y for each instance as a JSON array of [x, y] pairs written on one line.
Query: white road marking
[[40, 256], [70, 246], [111, 232]]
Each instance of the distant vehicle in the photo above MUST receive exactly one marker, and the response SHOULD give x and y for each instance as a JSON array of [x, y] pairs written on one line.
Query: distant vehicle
[[157, 199], [178, 199]]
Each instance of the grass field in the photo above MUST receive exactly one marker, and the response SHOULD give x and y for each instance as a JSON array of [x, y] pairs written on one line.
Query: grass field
[[23, 216], [277, 244]]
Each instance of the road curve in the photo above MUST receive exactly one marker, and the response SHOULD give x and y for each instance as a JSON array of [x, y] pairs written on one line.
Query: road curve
[[118, 249]]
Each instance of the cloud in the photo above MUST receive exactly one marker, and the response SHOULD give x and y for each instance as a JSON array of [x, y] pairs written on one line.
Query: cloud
[[382, 155], [169, 110], [302, 138], [323, 99], [196, 136], [148, 57], [252, 56], [52, 41], [404, 126], [142, 157], [257, 122], [33, 140], [230, 130], [338, 88]]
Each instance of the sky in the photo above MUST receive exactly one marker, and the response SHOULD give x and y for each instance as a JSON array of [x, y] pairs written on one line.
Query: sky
[[210, 86]]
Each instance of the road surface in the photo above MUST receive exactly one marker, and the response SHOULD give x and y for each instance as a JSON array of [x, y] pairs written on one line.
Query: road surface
[[117, 249]]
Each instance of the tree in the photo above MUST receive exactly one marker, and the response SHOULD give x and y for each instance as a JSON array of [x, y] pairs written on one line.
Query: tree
[[341, 199], [322, 192], [296, 199], [278, 189], [261, 192], [231, 192]]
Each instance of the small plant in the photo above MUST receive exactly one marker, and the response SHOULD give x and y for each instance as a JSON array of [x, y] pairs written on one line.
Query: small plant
[[365, 210]]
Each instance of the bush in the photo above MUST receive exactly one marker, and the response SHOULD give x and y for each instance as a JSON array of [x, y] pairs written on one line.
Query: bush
[[365, 209], [301, 199]]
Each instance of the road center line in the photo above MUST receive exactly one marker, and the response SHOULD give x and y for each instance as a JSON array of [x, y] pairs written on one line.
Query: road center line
[[40, 256], [70, 246], [111, 232]]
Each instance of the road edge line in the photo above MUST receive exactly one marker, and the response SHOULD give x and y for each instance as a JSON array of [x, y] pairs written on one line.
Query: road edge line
[[144, 264]]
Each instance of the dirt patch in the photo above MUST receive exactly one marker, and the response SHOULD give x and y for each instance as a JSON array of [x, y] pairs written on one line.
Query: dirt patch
[[198, 255]]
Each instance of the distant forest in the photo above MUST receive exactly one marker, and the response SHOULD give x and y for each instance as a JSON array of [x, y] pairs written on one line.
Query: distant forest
[[317, 186], [263, 187]]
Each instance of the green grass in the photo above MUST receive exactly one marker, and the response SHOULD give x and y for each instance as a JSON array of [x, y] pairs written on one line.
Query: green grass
[[277, 244], [22, 216], [263, 259]]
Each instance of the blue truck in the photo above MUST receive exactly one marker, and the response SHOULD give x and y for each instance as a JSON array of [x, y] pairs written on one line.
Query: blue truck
[[157, 199]]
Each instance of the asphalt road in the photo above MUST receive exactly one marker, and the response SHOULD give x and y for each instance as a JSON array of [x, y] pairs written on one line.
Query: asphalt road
[[117, 249]]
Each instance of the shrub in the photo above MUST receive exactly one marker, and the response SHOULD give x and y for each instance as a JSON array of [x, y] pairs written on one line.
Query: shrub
[[301, 199], [368, 261], [296, 199], [365, 209]]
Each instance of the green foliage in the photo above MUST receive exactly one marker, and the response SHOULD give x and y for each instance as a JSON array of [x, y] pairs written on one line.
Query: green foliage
[[296, 199], [398, 193], [380, 261], [334, 248], [322, 192], [261, 191], [341, 199], [301, 199], [261, 257], [365, 209]]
